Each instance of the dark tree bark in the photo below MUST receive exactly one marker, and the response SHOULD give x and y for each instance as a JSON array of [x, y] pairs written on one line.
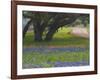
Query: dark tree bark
[[40, 22], [57, 24], [38, 27], [37, 35], [26, 28], [38, 32], [50, 34]]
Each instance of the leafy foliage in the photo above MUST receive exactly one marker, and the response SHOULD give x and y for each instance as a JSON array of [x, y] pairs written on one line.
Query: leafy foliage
[[50, 22]]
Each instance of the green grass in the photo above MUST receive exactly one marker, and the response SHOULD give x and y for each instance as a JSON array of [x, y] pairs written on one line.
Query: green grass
[[61, 38], [38, 58]]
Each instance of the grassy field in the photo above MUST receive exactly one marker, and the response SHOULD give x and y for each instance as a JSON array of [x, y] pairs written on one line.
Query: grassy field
[[60, 39], [38, 58]]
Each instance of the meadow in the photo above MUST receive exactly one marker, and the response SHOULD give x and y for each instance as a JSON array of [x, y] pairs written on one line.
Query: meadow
[[61, 38], [52, 54]]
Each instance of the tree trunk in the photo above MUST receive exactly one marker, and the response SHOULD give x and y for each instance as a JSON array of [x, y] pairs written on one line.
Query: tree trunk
[[26, 28], [50, 33], [57, 24], [37, 33]]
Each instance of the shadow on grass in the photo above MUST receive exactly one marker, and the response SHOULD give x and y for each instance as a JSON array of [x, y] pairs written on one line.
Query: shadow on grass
[[68, 40]]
